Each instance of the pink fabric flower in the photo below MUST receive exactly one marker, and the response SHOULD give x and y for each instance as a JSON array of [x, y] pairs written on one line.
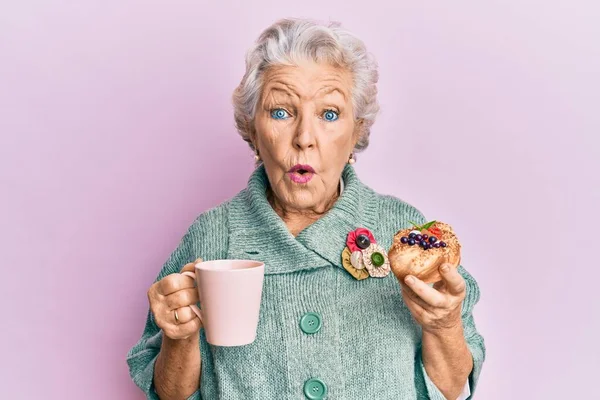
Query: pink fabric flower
[[351, 239]]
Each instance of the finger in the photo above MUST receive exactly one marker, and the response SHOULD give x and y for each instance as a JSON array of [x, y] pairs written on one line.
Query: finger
[[181, 298], [410, 296], [185, 314], [191, 266], [431, 296], [417, 311], [189, 328], [183, 330], [174, 283], [454, 282]]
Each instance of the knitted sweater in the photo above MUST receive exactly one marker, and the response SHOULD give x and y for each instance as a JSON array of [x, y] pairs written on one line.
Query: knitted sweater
[[369, 346]]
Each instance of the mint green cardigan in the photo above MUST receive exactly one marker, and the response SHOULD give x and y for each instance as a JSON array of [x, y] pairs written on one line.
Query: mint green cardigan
[[369, 344]]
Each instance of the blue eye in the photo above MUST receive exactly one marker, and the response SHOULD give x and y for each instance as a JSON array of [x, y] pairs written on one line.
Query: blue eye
[[330, 115], [279, 113]]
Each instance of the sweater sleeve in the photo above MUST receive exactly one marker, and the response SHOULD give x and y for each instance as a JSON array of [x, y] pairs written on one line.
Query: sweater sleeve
[[206, 238], [475, 341], [426, 389]]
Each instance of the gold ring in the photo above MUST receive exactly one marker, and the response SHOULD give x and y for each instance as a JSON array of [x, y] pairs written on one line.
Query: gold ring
[[176, 316]]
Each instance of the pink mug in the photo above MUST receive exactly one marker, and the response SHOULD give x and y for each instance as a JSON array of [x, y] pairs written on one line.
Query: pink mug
[[230, 292]]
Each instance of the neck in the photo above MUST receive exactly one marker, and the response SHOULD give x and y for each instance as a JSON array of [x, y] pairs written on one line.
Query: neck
[[297, 220]]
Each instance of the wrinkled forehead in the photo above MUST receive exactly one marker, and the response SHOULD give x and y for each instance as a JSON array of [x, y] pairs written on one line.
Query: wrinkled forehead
[[307, 82]]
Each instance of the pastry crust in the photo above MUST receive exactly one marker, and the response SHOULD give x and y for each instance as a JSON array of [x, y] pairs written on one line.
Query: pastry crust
[[424, 264]]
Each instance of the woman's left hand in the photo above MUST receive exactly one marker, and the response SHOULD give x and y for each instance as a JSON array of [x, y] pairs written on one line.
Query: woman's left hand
[[439, 307]]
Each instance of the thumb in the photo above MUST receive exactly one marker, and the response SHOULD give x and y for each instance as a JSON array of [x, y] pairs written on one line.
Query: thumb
[[190, 266]]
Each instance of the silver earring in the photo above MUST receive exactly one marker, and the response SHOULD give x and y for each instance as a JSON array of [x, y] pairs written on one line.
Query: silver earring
[[256, 157], [352, 160]]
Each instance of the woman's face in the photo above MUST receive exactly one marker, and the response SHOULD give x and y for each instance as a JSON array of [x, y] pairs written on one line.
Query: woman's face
[[305, 131]]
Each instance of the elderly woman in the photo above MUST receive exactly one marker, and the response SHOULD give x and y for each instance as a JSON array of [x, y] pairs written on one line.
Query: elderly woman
[[305, 105]]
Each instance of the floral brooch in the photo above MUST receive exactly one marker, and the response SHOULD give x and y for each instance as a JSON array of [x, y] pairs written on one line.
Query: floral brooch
[[363, 257]]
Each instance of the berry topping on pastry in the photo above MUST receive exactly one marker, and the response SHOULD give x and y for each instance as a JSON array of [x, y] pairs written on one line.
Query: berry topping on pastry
[[422, 249]]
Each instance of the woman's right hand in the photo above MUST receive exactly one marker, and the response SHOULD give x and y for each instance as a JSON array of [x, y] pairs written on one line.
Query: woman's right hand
[[174, 294]]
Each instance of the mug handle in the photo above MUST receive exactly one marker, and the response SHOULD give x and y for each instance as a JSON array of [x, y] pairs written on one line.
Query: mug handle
[[194, 307]]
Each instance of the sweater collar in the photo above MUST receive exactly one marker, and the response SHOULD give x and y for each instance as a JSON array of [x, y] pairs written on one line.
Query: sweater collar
[[258, 233]]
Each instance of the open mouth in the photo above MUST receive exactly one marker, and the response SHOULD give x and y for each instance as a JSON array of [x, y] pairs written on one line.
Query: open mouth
[[300, 173], [302, 169]]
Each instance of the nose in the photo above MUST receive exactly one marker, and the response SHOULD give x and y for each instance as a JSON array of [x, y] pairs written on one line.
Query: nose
[[304, 137]]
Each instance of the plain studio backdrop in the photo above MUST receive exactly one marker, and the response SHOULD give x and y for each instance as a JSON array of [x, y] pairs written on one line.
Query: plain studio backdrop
[[116, 131]]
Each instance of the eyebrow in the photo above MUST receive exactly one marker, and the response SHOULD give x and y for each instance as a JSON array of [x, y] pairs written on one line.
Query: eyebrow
[[331, 89], [284, 88]]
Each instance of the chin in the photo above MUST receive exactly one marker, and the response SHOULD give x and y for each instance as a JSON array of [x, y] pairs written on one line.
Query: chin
[[302, 199]]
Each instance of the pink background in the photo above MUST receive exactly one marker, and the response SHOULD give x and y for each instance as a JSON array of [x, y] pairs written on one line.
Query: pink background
[[116, 130]]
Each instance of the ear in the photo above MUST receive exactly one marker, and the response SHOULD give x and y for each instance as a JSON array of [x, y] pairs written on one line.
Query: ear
[[358, 130], [249, 126]]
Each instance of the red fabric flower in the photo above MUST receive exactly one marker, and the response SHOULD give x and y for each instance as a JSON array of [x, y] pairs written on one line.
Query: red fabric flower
[[351, 239]]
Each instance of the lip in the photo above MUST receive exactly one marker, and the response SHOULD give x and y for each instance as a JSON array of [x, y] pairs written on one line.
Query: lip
[[296, 176], [304, 167]]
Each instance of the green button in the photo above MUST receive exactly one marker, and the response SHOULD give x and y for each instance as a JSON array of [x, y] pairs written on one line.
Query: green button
[[315, 389], [377, 259], [310, 323]]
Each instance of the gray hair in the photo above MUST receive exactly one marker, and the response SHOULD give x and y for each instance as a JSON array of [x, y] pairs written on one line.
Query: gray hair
[[291, 40]]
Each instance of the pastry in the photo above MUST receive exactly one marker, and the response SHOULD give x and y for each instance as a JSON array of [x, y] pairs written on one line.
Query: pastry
[[421, 250]]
